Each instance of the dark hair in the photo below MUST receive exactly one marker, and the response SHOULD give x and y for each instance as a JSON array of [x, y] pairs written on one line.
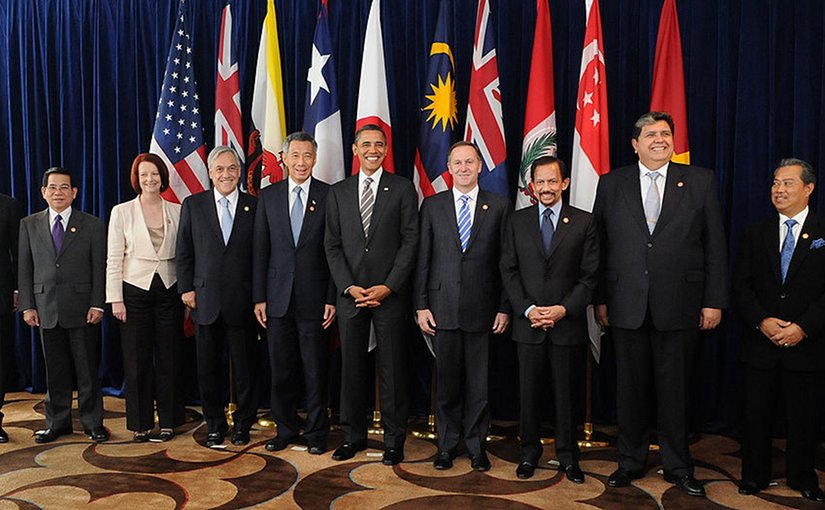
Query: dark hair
[[807, 175], [300, 136], [57, 170], [463, 143], [548, 160], [651, 118], [159, 164], [369, 127]]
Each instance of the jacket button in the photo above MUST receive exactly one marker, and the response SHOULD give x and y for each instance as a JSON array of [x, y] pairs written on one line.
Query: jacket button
[[57, 264], [366, 250], [646, 271], [783, 296], [650, 245]]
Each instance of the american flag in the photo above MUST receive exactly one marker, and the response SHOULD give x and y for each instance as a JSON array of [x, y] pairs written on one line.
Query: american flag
[[178, 134], [485, 125], [228, 127]]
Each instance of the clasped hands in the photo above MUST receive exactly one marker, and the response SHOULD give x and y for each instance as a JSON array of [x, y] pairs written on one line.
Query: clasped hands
[[369, 298], [782, 333], [546, 317]]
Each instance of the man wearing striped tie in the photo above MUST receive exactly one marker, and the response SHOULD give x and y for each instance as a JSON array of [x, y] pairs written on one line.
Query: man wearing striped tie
[[459, 301]]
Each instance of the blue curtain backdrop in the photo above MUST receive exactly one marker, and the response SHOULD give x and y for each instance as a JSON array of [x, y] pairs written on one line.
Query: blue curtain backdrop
[[79, 85]]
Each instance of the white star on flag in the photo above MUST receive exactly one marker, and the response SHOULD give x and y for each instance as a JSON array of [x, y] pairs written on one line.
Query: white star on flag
[[316, 73]]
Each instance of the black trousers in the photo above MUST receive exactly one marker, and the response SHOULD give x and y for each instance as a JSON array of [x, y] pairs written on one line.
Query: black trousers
[[661, 361], [211, 340], [6, 356], [151, 341], [392, 367], [563, 361], [72, 353], [463, 365], [799, 391], [295, 346]]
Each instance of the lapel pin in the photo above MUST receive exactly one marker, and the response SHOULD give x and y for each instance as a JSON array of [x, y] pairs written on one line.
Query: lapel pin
[[680, 184], [312, 208], [74, 229], [246, 208], [312, 202], [386, 188], [565, 220], [804, 235], [485, 207]]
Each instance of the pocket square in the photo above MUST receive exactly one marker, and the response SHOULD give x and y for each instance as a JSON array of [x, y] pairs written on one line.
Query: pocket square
[[817, 244]]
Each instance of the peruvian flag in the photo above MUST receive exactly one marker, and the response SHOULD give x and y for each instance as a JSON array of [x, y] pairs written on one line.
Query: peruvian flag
[[228, 127], [668, 93], [540, 113], [373, 98], [591, 148]]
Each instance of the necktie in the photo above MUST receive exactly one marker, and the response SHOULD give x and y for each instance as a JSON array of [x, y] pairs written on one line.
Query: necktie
[[653, 203], [296, 216], [226, 219], [547, 229], [58, 233], [367, 201], [787, 248], [465, 224]]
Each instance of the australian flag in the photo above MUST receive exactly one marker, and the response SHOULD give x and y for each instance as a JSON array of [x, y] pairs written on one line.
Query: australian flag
[[438, 112]]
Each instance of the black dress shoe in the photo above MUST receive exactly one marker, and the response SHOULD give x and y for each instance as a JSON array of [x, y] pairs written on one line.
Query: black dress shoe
[[317, 448], [166, 435], [749, 488], [443, 460], [98, 434], [4, 438], [141, 437], [393, 456], [279, 443], [815, 495], [622, 478], [240, 437], [347, 451], [525, 470], [480, 462], [214, 438], [689, 485], [49, 435], [573, 473]]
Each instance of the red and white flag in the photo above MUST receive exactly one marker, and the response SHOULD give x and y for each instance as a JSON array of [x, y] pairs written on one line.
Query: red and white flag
[[373, 95], [228, 127], [540, 113]]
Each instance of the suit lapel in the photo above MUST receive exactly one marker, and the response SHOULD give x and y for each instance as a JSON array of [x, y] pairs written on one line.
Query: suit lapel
[[72, 229], [44, 232], [562, 228], [810, 231], [242, 211], [310, 213], [771, 240], [633, 196], [382, 195], [354, 201], [675, 184], [534, 229], [211, 214], [479, 218]]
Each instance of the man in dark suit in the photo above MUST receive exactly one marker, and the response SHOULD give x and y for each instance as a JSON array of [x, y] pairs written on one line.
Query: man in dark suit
[[214, 265], [295, 302], [664, 260], [779, 284], [459, 301], [371, 238], [9, 228], [549, 264], [62, 286]]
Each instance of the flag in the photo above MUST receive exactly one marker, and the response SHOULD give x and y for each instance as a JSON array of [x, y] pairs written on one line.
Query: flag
[[373, 97], [668, 94], [178, 134], [322, 116], [228, 127], [438, 113], [540, 113], [591, 148], [485, 125], [268, 113]]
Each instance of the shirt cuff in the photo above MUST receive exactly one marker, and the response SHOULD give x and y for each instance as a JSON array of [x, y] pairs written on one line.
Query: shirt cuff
[[527, 312]]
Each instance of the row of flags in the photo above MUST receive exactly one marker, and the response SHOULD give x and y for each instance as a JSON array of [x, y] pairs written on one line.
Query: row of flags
[[178, 134]]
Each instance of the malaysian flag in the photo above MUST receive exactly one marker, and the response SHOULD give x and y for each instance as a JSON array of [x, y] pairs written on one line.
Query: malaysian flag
[[438, 113], [322, 116], [228, 127], [485, 125], [178, 134]]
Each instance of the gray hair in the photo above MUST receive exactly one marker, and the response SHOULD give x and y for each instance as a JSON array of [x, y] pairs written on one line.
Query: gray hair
[[808, 176], [300, 136], [217, 151]]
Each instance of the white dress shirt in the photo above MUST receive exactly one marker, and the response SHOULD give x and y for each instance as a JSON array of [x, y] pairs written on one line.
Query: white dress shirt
[[644, 180], [304, 194], [473, 194], [233, 203], [362, 177], [797, 229]]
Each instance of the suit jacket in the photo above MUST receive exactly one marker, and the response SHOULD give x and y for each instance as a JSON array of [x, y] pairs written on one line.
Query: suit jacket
[[62, 287], [131, 255], [385, 256], [462, 290], [220, 275], [566, 276], [760, 293], [674, 272], [295, 273], [9, 229]]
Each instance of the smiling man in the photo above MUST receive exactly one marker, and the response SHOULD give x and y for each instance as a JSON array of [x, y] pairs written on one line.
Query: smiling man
[[664, 260], [459, 301]]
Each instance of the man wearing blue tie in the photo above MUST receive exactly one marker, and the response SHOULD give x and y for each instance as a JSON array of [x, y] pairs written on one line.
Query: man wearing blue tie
[[459, 300]]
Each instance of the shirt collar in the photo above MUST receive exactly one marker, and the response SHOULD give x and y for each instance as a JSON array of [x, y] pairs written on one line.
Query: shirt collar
[[376, 177], [643, 170], [473, 194], [64, 216], [304, 186], [232, 197], [800, 218], [556, 208]]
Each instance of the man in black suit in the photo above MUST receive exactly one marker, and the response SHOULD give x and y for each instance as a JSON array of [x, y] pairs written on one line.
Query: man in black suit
[[214, 265], [9, 228], [371, 238], [295, 302], [549, 264], [779, 284], [664, 260], [62, 285], [459, 301]]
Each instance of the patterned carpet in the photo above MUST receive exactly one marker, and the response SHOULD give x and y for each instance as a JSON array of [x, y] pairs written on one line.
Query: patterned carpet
[[75, 473]]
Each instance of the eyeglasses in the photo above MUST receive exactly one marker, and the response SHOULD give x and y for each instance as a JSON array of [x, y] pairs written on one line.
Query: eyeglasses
[[51, 188]]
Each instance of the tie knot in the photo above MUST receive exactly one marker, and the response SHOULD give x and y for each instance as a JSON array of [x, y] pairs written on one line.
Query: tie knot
[[790, 223], [298, 190], [547, 214], [367, 182], [654, 175], [59, 219], [464, 199], [224, 202]]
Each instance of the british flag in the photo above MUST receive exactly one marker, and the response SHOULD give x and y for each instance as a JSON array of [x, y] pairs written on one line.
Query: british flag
[[485, 124], [178, 134], [228, 127]]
